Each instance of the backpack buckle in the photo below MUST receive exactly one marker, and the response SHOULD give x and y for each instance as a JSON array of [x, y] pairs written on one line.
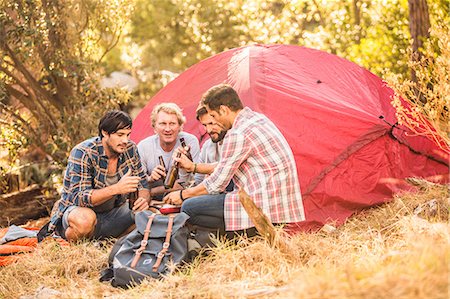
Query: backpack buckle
[[166, 245], [144, 243]]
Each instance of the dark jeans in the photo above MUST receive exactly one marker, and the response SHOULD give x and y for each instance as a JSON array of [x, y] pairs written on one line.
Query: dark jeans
[[109, 224], [207, 211]]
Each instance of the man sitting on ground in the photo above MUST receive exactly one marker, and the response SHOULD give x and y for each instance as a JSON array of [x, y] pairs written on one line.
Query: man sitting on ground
[[210, 152], [101, 172], [258, 159]]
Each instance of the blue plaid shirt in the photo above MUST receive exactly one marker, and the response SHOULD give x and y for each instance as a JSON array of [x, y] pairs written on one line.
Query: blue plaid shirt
[[87, 169]]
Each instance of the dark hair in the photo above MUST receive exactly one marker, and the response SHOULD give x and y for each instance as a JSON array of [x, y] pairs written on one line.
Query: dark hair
[[222, 94], [114, 121], [201, 110]]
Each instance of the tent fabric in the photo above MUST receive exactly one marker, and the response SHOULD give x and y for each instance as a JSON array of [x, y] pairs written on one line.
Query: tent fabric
[[337, 117]]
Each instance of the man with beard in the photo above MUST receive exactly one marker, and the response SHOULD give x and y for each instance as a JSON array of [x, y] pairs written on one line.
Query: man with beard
[[210, 152], [101, 173], [257, 157]]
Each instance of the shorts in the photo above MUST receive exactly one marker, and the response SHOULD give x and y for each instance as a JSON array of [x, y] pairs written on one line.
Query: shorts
[[109, 224]]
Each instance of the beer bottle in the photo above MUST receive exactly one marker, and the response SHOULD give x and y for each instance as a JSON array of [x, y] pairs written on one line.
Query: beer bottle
[[172, 176], [183, 144], [161, 162], [132, 198]]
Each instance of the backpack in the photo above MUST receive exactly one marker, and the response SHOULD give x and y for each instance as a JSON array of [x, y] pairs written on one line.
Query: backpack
[[148, 251]]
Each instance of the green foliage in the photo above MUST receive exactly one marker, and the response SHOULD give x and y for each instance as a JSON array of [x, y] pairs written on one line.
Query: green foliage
[[49, 92], [11, 138], [379, 39], [176, 34]]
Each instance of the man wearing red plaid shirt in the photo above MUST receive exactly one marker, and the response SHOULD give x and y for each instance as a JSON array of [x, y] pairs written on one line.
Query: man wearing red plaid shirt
[[257, 157]]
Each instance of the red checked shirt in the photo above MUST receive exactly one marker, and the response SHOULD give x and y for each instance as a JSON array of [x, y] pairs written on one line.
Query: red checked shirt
[[258, 158]]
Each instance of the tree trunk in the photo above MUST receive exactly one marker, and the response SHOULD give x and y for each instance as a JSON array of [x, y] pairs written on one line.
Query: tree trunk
[[419, 26], [19, 207], [357, 19]]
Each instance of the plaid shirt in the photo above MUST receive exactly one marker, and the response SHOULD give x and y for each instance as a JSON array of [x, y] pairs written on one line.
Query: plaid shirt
[[258, 158], [87, 169]]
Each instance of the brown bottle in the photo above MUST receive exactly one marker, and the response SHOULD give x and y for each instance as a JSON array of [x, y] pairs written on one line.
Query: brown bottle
[[161, 162], [132, 198], [183, 144], [172, 176]]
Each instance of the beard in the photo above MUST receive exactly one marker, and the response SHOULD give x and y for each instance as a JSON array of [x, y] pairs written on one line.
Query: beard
[[220, 136], [113, 151]]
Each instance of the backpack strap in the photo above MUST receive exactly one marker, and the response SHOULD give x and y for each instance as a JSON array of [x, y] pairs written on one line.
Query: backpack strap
[[165, 245], [143, 242]]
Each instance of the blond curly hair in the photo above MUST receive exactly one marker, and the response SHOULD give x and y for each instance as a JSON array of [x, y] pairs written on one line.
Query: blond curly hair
[[170, 108]]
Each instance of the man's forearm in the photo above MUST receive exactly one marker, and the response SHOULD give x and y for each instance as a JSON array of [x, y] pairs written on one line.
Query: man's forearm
[[203, 168], [162, 190], [100, 196], [198, 190]]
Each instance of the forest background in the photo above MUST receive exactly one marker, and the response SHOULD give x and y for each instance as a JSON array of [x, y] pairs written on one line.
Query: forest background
[[56, 53]]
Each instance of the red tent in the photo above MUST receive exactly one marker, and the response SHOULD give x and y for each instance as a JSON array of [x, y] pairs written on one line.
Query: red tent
[[336, 116]]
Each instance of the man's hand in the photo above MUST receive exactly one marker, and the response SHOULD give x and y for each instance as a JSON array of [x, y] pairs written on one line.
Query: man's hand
[[158, 173], [173, 198], [183, 161], [140, 204], [127, 184]]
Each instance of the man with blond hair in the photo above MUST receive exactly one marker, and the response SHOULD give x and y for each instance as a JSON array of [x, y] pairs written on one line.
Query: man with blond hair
[[167, 122]]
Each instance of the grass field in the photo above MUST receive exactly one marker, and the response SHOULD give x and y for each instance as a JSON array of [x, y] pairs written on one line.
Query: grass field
[[397, 250]]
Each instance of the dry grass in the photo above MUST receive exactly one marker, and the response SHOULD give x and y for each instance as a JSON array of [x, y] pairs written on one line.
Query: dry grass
[[384, 252]]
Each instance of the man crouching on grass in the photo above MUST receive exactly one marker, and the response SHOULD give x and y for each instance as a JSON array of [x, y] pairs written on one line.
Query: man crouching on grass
[[101, 172]]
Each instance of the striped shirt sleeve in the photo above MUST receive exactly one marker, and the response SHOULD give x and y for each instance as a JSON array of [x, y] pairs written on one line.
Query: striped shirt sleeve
[[80, 174], [137, 164]]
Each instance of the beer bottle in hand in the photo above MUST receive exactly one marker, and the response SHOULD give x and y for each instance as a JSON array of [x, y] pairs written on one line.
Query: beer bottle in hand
[[183, 144], [161, 162], [132, 198], [172, 176]]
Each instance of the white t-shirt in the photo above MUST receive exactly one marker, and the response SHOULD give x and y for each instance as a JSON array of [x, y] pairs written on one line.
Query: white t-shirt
[[150, 149], [210, 153]]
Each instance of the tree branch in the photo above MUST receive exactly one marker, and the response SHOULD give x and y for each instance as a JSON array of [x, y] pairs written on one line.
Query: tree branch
[[31, 104], [111, 46], [31, 80], [24, 99], [18, 81], [262, 222], [20, 120], [33, 135]]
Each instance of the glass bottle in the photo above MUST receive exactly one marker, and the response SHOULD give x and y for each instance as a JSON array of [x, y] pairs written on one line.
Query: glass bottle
[[172, 176], [132, 198], [161, 162], [183, 144]]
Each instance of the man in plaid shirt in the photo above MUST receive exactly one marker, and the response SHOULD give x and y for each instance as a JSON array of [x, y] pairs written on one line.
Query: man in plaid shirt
[[258, 159], [100, 174]]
